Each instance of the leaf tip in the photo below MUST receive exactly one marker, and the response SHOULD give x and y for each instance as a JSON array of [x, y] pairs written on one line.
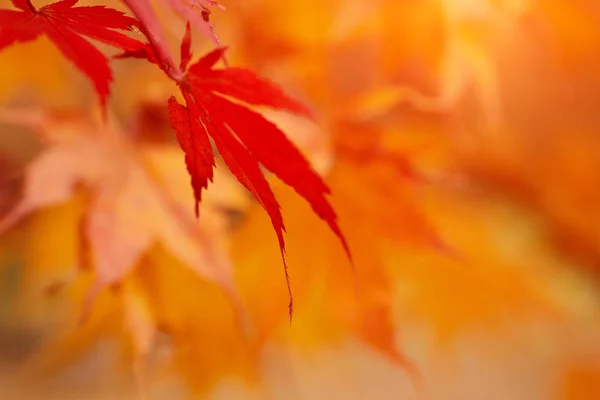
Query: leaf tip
[[197, 208], [185, 49], [287, 282]]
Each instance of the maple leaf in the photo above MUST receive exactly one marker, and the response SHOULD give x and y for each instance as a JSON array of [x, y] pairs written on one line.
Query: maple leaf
[[65, 26], [127, 210], [243, 137]]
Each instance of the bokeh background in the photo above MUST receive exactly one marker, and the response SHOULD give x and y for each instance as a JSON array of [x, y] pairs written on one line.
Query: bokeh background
[[461, 140]]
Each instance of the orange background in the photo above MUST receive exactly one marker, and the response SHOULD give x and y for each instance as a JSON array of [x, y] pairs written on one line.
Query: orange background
[[461, 140]]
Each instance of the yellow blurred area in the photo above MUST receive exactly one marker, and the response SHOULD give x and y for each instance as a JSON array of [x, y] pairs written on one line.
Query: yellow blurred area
[[461, 141]]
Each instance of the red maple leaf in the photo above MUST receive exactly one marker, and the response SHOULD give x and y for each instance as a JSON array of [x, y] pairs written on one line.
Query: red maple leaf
[[65, 25], [243, 137]]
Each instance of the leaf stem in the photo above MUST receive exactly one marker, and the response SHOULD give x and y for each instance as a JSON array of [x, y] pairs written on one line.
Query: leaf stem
[[31, 7], [153, 31]]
